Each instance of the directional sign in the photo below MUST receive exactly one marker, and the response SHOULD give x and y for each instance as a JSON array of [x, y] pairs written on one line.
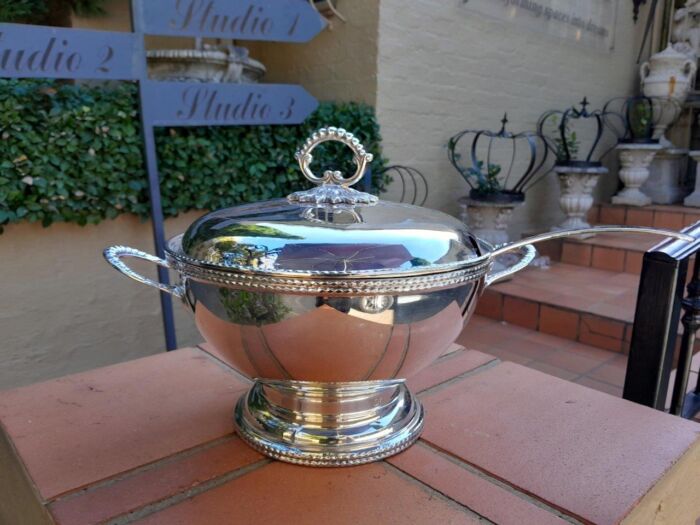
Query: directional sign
[[194, 104], [49, 52], [36, 51], [275, 20]]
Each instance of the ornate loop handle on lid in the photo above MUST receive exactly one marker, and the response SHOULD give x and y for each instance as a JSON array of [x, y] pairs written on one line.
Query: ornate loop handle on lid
[[333, 187]]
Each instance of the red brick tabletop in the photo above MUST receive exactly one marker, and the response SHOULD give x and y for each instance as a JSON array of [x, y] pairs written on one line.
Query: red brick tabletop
[[151, 442]]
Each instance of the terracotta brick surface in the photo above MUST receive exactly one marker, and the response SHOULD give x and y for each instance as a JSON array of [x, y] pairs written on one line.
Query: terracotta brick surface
[[460, 483], [691, 218], [633, 262], [612, 214], [640, 217], [521, 312], [490, 305], [608, 259], [164, 480], [669, 220], [576, 253], [281, 493], [602, 333], [609, 452], [448, 367], [150, 442], [555, 321], [95, 425]]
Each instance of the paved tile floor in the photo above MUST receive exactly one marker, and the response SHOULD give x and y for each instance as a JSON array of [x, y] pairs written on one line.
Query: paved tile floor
[[576, 362]]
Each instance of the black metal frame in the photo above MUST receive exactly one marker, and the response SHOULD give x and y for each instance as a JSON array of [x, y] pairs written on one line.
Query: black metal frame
[[534, 165], [620, 114], [565, 117], [655, 330], [413, 183]]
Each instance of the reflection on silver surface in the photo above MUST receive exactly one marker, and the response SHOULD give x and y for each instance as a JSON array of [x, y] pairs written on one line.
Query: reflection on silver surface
[[329, 425], [329, 339], [328, 298]]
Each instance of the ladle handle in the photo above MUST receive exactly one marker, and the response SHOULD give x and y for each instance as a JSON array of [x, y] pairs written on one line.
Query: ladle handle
[[527, 255], [585, 231]]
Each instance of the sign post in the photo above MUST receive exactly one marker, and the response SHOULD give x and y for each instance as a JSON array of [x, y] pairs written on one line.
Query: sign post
[[28, 51]]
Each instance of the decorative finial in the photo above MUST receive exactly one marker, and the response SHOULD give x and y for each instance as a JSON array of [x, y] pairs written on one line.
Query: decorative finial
[[333, 187], [504, 121]]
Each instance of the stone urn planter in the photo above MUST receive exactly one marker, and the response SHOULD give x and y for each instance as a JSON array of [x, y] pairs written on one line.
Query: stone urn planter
[[577, 183], [635, 159], [667, 78], [664, 182], [488, 217], [694, 198], [206, 64]]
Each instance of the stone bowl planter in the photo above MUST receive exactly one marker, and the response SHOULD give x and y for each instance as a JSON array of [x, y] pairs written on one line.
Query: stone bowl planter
[[577, 180], [635, 159], [488, 216], [230, 64]]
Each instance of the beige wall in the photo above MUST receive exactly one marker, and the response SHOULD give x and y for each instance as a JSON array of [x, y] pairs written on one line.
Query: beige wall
[[442, 69], [66, 310], [339, 64]]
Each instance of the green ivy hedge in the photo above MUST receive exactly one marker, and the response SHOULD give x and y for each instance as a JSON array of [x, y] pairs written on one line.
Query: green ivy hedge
[[74, 153]]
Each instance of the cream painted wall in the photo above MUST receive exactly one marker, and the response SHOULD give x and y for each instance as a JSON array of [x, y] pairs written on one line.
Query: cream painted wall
[[442, 68], [339, 64], [66, 310]]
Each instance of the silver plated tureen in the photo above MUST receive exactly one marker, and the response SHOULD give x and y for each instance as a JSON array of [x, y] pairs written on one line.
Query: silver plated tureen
[[329, 299]]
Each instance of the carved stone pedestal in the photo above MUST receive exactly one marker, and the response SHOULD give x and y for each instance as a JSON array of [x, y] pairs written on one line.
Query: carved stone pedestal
[[663, 184], [635, 160], [577, 184], [694, 198], [488, 220]]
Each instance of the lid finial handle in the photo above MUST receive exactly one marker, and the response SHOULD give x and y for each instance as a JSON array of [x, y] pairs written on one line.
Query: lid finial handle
[[333, 187]]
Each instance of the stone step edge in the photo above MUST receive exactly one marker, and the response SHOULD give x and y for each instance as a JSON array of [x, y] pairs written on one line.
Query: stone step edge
[[670, 216], [591, 329], [600, 331]]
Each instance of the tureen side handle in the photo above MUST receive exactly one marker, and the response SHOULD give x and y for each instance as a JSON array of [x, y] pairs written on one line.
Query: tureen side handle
[[114, 255], [527, 255]]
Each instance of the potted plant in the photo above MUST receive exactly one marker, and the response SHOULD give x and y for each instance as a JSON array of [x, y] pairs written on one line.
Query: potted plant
[[637, 146], [578, 169], [496, 189]]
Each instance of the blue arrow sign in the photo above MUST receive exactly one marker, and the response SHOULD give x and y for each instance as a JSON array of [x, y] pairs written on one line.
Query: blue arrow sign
[[274, 20], [193, 104], [36, 51]]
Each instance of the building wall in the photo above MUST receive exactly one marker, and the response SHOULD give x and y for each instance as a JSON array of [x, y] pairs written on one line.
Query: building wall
[[442, 68], [339, 64], [66, 310]]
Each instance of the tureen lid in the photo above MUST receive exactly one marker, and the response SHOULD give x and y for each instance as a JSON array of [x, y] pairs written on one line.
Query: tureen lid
[[329, 231]]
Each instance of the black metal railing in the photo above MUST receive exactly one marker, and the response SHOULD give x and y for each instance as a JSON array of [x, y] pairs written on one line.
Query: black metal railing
[[655, 331]]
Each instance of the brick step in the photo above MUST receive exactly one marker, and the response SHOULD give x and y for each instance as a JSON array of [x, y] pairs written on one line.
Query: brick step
[[588, 305], [670, 216], [570, 360], [614, 252]]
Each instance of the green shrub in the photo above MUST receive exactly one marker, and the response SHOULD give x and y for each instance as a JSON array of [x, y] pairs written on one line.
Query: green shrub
[[35, 11], [74, 153], [22, 10]]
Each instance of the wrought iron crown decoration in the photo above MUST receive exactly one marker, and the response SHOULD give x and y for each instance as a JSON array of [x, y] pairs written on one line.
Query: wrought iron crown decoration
[[634, 119], [556, 128], [522, 169]]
